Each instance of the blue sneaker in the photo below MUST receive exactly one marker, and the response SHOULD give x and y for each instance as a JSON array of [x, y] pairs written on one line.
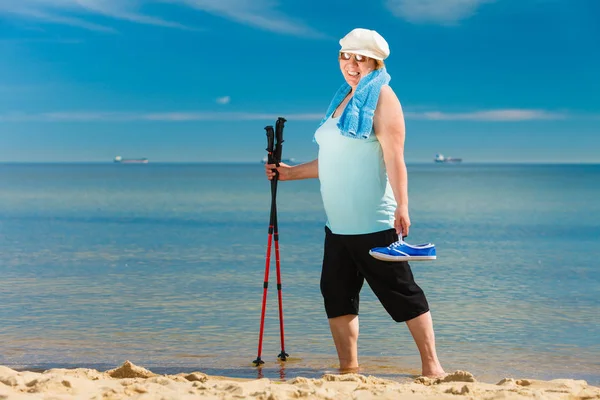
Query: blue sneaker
[[402, 251]]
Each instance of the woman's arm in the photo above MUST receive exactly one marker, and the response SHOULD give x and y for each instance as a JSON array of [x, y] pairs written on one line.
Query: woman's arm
[[289, 173], [389, 127]]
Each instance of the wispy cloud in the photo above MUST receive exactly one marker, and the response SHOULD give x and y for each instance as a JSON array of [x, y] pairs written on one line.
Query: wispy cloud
[[223, 100], [157, 117], [262, 14], [47, 15], [446, 12], [505, 115], [125, 10], [77, 12], [40, 40]]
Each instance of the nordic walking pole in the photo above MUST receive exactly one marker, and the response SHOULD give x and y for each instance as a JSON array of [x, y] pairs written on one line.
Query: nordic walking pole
[[277, 156], [270, 145]]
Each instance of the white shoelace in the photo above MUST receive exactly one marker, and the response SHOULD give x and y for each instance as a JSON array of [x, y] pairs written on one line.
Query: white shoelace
[[398, 243]]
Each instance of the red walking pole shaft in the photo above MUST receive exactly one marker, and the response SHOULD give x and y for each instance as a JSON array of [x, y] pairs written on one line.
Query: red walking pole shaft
[[258, 360], [283, 355]]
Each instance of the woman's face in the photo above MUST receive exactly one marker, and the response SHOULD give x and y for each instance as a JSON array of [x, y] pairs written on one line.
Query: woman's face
[[355, 66]]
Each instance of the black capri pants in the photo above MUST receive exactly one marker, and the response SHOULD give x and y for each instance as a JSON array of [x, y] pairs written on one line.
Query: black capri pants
[[347, 263]]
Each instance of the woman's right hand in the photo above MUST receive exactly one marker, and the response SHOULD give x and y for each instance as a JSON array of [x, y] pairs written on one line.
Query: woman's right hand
[[284, 171]]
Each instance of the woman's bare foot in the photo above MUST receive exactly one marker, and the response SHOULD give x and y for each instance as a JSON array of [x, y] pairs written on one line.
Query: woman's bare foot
[[350, 370], [433, 371]]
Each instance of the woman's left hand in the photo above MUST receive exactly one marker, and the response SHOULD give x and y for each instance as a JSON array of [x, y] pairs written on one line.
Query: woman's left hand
[[402, 222]]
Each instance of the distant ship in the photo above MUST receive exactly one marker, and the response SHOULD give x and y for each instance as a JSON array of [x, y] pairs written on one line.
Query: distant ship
[[439, 158], [121, 160]]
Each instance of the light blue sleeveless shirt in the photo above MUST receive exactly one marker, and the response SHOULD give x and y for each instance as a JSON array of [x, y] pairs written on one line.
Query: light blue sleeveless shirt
[[356, 192]]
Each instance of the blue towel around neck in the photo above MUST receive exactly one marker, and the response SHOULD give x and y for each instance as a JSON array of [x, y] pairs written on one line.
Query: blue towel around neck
[[356, 120]]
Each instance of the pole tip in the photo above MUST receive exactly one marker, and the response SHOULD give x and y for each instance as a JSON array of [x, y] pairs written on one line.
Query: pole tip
[[257, 362]]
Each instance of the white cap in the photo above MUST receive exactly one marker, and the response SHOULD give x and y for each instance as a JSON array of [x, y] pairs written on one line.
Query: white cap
[[365, 42]]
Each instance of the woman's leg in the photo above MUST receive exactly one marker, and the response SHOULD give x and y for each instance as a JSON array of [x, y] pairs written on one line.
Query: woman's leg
[[421, 329], [340, 287], [394, 285], [344, 330]]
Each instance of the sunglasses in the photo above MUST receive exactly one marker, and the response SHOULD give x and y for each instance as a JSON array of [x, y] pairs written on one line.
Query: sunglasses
[[357, 57]]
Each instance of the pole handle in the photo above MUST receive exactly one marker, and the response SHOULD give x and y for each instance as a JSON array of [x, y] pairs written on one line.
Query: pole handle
[[270, 143], [279, 125]]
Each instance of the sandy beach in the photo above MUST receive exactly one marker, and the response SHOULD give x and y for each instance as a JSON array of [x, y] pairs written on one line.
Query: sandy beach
[[134, 382]]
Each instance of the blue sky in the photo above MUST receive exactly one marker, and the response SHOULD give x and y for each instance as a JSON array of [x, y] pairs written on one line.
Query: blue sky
[[197, 80]]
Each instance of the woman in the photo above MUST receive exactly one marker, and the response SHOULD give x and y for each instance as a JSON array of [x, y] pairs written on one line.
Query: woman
[[363, 179]]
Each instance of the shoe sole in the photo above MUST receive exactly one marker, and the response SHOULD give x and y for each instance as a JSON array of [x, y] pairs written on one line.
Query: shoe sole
[[385, 257]]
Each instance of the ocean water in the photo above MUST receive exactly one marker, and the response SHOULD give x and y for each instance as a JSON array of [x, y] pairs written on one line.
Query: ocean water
[[163, 265]]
